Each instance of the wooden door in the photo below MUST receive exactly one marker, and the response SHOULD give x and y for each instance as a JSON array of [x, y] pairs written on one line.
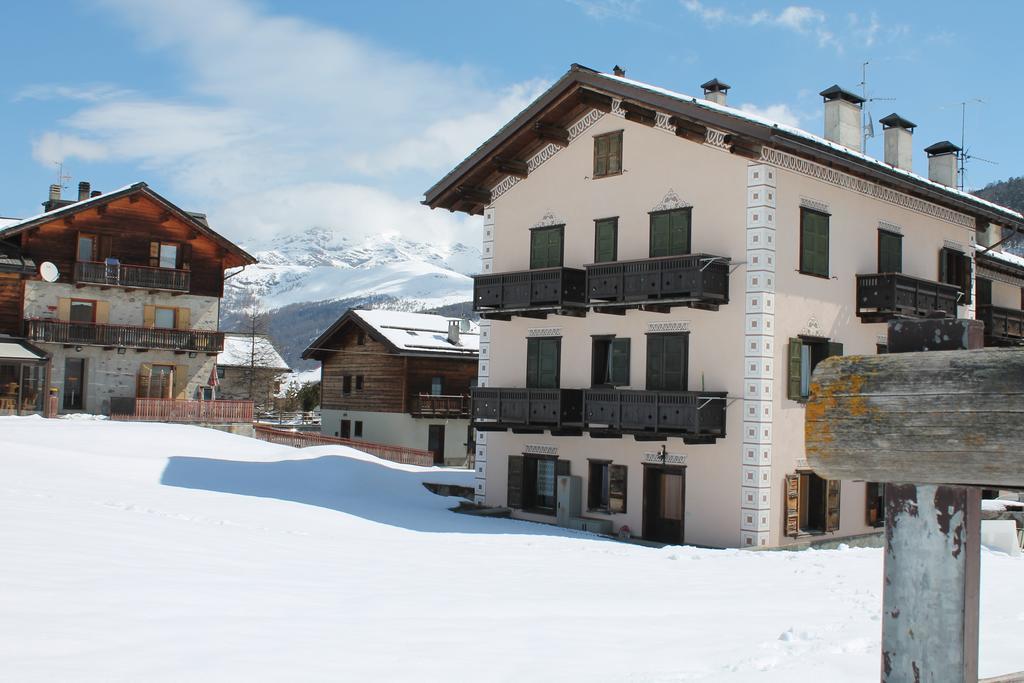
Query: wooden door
[[435, 443], [664, 503]]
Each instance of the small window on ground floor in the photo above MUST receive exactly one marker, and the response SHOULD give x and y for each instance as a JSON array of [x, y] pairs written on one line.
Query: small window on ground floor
[[606, 487], [346, 384], [346, 429], [812, 504], [532, 482], [357, 430]]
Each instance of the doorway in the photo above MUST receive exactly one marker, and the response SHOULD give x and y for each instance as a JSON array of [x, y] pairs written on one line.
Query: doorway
[[74, 383], [435, 443], [664, 503]]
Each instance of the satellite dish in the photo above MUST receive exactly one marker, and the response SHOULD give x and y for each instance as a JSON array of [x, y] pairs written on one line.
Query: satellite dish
[[48, 271]]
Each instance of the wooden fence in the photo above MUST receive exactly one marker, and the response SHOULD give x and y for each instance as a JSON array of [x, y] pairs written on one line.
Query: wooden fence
[[399, 454], [177, 410]]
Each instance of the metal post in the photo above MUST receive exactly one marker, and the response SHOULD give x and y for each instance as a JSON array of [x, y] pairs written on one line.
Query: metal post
[[931, 587]]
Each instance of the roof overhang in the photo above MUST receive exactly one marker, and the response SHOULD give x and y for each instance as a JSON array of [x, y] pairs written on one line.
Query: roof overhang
[[21, 351]]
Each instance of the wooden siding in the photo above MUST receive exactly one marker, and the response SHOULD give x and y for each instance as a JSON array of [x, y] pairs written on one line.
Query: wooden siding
[[125, 229], [11, 289], [456, 373]]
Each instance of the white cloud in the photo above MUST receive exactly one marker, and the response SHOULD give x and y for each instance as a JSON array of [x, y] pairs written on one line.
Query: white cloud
[[277, 102], [605, 9], [779, 113], [94, 92]]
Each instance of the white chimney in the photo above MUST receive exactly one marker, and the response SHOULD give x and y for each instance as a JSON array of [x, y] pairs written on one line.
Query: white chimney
[[898, 138], [715, 91], [988, 235], [843, 117], [453, 331], [942, 163]]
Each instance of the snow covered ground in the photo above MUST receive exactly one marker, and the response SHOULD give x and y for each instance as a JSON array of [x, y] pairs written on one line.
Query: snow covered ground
[[161, 552]]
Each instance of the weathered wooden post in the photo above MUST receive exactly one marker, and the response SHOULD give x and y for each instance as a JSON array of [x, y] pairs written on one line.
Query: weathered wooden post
[[934, 427]]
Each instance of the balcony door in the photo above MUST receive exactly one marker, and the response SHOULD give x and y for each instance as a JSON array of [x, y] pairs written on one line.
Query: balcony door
[[543, 358], [667, 362], [664, 503]]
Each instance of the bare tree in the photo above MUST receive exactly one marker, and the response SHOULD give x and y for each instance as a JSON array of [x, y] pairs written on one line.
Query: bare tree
[[258, 360]]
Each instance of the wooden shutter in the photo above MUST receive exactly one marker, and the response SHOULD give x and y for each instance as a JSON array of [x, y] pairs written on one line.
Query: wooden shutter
[[562, 467], [792, 504], [890, 252], [832, 505], [814, 241], [102, 312], [515, 481], [154, 254], [149, 316], [605, 240], [106, 247], [180, 381], [532, 362], [619, 354], [184, 255], [674, 369], [145, 374], [617, 488], [64, 309], [944, 265], [615, 152], [796, 348], [968, 276], [679, 236], [548, 362], [660, 234], [655, 361], [183, 318], [600, 156]]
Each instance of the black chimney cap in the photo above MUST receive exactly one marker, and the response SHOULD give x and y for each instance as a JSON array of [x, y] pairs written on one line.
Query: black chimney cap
[[944, 147], [715, 85], [896, 121], [619, 71], [837, 93]]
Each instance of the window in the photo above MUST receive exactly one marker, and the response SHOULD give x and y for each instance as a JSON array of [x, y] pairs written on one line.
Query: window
[[155, 381], [83, 311], [436, 386], [357, 429], [610, 362], [813, 242], [359, 382], [546, 247], [86, 247], [670, 232], [608, 154], [346, 429], [168, 255], [804, 355], [812, 504], [543, 358], [606, 489], [890, 252], [983, 291], [346, 384], [667, 362], [955, 268], [606, 239], [220, 372], [164, 318], [875, 508], [361, 338], [74, 383]]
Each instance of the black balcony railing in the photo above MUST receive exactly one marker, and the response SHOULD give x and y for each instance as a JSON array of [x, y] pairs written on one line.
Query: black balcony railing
[[1002, 325], [114, 274], [694, 279], [884, 296], [694, 415], [527, 409], [553, 290], [127, 336]]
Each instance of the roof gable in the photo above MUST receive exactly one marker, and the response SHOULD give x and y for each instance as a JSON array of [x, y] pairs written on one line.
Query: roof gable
[[407, 334]]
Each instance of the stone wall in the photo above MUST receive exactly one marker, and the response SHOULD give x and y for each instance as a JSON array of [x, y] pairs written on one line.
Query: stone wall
[[126, 306]]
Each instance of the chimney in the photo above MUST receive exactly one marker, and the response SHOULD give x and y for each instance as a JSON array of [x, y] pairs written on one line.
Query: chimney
[[54, 201], [842, 117], [619, 71], [453, 332], [715, 91], [898, 135], [83, 190], [95, 193], [942, 163]]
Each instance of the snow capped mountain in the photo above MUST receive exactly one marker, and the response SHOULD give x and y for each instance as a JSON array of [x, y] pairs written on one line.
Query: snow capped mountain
[[321, 265]]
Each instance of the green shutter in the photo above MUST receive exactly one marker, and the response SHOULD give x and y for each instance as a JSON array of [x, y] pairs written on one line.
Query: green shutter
[[547, 363], [532, 362], [834, 349], [666, 362], [615, 153], [968, 276], [655, 361], [814, 237], [796, 348], [562, 468], [605, 240], [680, 232], [944, 265], [515, 481], [546, 247], [890, 252], [619, 353], [660, 228], [538, 248]]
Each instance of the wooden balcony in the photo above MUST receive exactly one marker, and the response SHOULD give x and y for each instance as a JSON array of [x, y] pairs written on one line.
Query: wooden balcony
[[528, 410], [696, 280], [126, 336], [885, 296], [131, 277], [530, 293], [696, 416], [180, 410], [1003, 326], [445, 407]]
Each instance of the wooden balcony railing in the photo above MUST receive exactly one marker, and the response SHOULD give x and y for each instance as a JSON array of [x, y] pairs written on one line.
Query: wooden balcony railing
[[695, 415], [123, 275], [399, 454], [1002, 325], [527, 409], [127, 336], [429, 405], [530, 291], [884, 296], [700, 280], [180, 410]]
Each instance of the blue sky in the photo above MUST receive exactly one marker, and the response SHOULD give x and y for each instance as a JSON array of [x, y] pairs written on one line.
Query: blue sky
[[278, 116]]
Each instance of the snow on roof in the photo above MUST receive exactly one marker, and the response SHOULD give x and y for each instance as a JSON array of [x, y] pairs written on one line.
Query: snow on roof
[[238, 352], [755, 118], [56, 212], [1004, 256], [423, 332], [8, 222]]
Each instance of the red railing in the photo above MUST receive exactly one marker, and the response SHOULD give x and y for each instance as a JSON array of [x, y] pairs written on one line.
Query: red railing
[[430, 405], [399, 454], [128, 336], [122, 275], [180, 410]]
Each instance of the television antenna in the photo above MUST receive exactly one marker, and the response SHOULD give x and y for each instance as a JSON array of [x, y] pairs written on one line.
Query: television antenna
[[867, 125], [964, 155], [61, 177]]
